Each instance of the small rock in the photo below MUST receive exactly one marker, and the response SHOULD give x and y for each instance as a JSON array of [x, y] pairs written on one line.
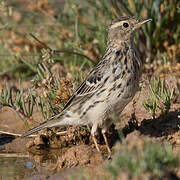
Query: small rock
[[79, 156]]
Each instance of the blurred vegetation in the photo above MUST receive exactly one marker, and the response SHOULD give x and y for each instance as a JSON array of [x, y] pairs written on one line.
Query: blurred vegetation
[[82, 27], [142, 159]]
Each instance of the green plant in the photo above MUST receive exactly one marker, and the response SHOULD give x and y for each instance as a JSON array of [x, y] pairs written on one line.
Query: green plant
[[161, 96], [138, 159], [21, 102]]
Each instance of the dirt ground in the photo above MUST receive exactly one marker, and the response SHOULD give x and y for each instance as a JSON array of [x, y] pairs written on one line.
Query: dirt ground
[[74, 148]]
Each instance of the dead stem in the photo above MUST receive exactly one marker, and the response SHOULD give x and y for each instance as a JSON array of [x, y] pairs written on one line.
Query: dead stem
[[31, 136], [61, 50], [7, 155]]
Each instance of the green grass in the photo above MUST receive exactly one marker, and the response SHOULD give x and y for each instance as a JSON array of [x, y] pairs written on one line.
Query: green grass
[[160, 97], [147, 157]]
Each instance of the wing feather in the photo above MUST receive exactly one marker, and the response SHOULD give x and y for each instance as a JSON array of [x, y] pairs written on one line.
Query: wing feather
[[91, 84]]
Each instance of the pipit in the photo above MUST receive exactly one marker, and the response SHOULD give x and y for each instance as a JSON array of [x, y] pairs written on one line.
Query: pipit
[[110, 85]]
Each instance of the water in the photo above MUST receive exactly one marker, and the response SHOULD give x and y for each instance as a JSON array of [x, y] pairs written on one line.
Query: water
[[16, 168]]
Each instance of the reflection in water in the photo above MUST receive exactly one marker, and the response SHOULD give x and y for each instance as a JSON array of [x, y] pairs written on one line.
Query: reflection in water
[[15, 168], [21, 167]]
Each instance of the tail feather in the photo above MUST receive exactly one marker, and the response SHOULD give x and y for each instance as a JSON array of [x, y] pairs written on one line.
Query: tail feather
[[36, 129], [54, 121], [48, 123]]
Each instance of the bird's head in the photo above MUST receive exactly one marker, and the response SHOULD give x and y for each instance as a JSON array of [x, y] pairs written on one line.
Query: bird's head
[[122, 29]]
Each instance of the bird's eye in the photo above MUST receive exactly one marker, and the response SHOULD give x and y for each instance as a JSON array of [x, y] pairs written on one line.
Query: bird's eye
[[125, 25]]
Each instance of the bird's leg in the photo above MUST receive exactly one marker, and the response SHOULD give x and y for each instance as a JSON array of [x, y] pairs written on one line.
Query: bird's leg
[[106, 142], [107, 124], [95, 142], [93, 132]]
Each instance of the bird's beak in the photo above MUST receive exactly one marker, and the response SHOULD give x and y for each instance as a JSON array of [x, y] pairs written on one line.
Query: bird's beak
[[140, 23]]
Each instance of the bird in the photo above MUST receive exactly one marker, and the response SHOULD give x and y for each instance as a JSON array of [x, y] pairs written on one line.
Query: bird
[[110, 85]]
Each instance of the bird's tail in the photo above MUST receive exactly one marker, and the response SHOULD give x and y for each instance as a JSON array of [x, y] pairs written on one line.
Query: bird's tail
[[36, 129], [46, 124], [32, 131], [58, 120]]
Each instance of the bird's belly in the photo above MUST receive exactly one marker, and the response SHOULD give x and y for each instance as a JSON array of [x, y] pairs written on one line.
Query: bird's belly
[[113, 98], [122, 96]]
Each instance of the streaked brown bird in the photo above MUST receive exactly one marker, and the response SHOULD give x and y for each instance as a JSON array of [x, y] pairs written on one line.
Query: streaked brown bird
[[110, 85]]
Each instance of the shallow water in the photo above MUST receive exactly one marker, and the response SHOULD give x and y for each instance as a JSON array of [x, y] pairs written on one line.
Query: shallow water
[[18, 166], [27, 166], [15, 167]]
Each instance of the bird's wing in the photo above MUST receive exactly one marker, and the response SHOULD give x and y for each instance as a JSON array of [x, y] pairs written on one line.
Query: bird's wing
[[92, 83]]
